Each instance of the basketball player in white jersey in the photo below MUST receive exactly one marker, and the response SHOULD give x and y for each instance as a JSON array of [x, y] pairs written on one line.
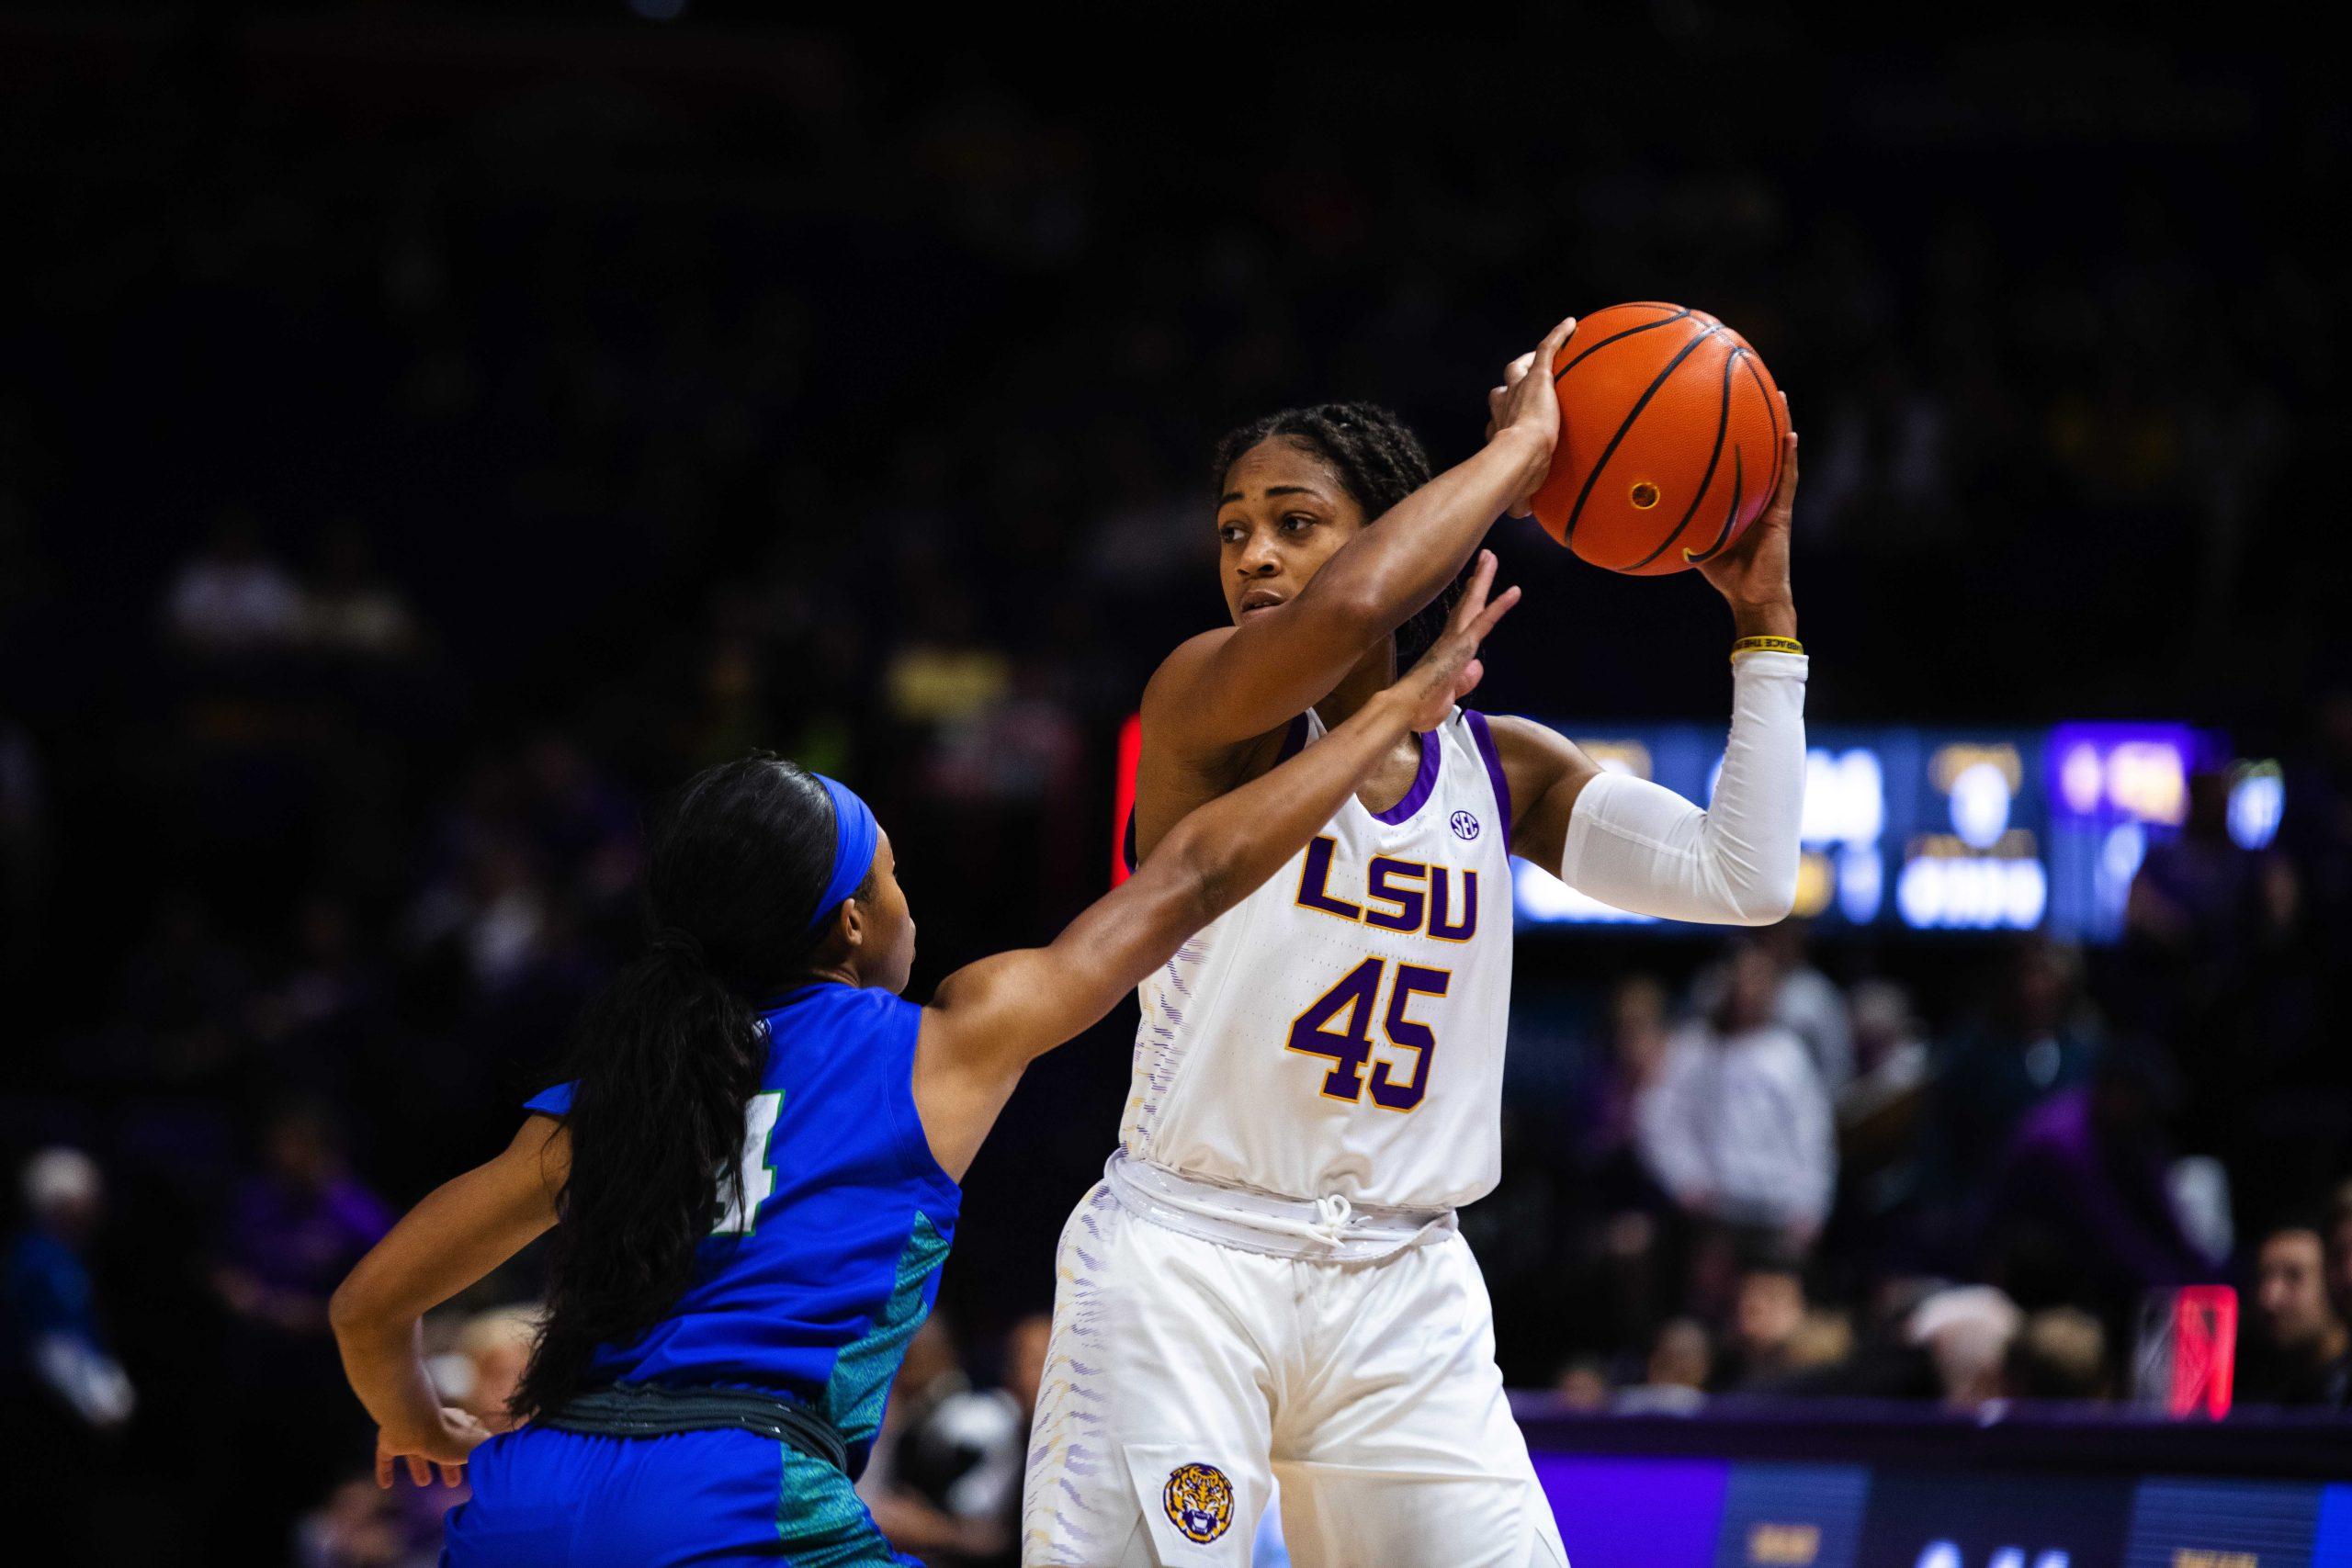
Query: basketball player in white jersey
[[1269, 1282]]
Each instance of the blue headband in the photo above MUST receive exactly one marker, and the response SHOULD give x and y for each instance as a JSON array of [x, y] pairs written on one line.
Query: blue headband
[[854, 837]]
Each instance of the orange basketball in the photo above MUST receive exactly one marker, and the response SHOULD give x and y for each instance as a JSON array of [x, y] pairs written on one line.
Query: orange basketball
[[1671, 439]]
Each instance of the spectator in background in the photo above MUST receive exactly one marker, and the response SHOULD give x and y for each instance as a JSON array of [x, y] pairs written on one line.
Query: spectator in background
[[2297, 1349], [64, 1399], [364, 1525], [944, 1480], [2315, 833], [295, 1228], [2082, 1204], [347, 610], [2339, 1251], [2035, 1041], [1737, 1128], [232, 599], [2059, 1353], [1768, 1314], [1967, 1331], [1610, 1098], [1805, 1000], [1677, 1373], [56, 1342], [495, 1347], [1583, 1385], [1879, 1109], [2198, 901], [1809, 1003], [2201, 916]]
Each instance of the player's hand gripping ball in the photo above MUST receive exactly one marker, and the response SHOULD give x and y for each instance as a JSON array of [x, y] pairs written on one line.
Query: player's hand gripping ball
[[1671, 439]]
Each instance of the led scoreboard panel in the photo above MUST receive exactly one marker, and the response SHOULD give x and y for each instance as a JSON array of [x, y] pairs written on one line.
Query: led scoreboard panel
[[1939, 830]]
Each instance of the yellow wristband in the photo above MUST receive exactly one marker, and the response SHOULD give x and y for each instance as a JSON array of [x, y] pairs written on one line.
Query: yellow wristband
[[1766, 644]]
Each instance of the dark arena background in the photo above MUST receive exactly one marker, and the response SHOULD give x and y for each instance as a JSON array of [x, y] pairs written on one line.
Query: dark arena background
[[428, 432]]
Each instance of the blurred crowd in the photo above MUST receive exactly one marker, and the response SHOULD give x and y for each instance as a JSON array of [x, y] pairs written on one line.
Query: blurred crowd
[[1783, 1187], [421, 444]]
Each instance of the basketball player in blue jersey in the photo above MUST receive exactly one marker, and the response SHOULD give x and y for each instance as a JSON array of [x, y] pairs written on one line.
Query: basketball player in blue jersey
[[1269, 1282], [752, 1177]]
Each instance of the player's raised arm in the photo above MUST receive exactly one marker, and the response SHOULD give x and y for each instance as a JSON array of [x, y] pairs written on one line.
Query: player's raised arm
[[1293, 643], [1638, 846], [990, 1019]]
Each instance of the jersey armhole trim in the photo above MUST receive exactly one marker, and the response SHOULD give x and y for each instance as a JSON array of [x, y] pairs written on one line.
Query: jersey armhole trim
[[899, 1088], [1484, 738]]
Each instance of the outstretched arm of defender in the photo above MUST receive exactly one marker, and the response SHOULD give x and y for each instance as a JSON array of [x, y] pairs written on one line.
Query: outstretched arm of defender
[[1232, 685], [990, 1019], [1637, 846]]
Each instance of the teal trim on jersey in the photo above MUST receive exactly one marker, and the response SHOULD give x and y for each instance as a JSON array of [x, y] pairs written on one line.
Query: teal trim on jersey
[[863, 1370], [823, 1523]]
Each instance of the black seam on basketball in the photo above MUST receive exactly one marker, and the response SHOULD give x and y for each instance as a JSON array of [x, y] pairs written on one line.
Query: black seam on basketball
[[1738, 478], [1771, 413], [1615, 337], [1642, 402], [1723, 423]]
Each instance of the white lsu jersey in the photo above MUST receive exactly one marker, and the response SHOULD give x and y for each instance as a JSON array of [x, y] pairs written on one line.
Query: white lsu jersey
[[1340, 1031]]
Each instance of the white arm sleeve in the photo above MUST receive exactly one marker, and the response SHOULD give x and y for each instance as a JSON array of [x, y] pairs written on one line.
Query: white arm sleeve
[[1644, 847]]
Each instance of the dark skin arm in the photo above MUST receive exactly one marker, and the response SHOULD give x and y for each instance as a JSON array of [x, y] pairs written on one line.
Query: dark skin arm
[[1224, 688], [1547, 771], [990, 1019], [464, 1229]]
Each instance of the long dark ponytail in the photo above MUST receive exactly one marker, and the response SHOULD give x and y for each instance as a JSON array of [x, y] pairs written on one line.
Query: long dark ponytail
[[667, 1054], [1377, 457]]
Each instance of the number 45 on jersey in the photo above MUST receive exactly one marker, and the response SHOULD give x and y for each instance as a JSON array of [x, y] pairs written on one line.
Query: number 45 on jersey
[[1340, 1026]]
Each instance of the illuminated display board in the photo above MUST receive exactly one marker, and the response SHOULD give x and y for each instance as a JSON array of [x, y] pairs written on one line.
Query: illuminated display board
[[1942, 829], [1623, 1512]]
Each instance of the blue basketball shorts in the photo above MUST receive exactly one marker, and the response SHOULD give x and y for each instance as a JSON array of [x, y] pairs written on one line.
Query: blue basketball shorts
[[569, 1500]]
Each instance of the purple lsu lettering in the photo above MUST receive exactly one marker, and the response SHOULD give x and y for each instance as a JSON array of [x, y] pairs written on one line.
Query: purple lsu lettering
[[1421, 896]]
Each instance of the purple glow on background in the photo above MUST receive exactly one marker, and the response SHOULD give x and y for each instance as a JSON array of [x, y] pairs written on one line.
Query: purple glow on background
[[1635, 1513]]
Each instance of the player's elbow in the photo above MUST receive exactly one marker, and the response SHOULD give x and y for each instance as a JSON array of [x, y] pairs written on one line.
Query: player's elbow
[[357, 1308], [349, 1310], [1765, 904], [1203, 878], [1754, 894], [1357, 609]]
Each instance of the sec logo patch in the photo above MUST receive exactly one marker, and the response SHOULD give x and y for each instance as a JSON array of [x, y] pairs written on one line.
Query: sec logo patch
[[1199, 1501], [1464, 825]]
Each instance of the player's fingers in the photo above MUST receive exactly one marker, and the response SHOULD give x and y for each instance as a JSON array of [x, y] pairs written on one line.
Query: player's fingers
[[1516, 371], [453, 1475], [420, 1469], [1472, 673], [1784, 494], [1495, 612], [1549, 350], [1473, 594], [383, 1470]]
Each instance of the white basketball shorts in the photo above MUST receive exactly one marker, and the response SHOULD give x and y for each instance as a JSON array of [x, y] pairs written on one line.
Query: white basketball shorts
[[1186, 1376]]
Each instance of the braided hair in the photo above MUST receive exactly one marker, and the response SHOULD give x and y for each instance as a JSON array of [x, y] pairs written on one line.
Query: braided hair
[[1379, 462], [666, 1055]]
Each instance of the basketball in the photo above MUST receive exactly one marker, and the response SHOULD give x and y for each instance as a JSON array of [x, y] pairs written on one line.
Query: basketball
[[1671, 439]]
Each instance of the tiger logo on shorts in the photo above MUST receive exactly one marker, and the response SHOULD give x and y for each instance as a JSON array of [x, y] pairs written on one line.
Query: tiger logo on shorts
[[1199, 1501]]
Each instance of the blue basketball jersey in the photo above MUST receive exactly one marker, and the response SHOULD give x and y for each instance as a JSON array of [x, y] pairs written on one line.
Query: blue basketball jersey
[[819, 1284]]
